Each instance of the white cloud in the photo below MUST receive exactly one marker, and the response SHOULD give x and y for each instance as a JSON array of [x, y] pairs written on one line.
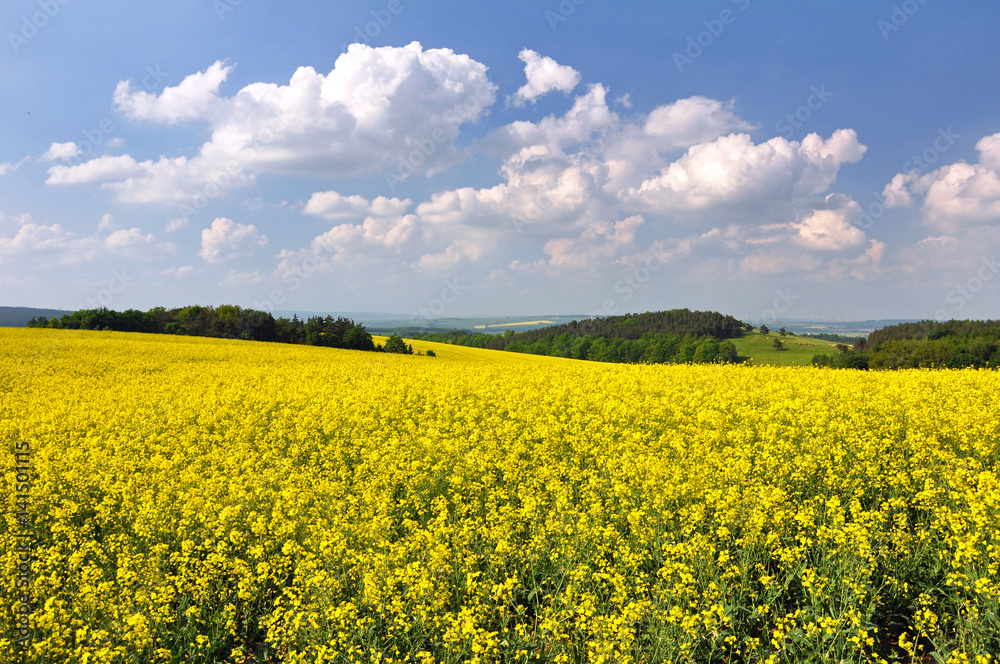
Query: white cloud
[[541, 191], [544, 75], [690, 121], [732, 169], [829, 230], [176, 271], [776, 261], [191, 100], [583, 191], [235, 279], [8, 167], [133, 243], [370, 112], [107, 223], [332, 206], [228, 239], [384, 232], [937, 263], [32, 237], [258, 203], [95, 170], [590, 114], [61, 151], [897, 192], [550, 189], [956, 195], [458, 252], [599, 244], [19, 220], [51, 245]]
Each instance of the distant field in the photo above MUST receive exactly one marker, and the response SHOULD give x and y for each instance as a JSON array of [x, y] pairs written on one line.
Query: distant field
[[492, 323], [798, 351], [529, 322], [465, 354]]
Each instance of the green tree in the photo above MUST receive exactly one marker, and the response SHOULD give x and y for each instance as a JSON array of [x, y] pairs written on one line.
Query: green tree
[[821, 361], [727, 352], [357, 338], [175, 328], [395, 344]]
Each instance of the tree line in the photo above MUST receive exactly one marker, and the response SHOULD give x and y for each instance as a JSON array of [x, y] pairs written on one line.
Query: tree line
[[954, 344], [227, 322], [681, 322], [675, 336]]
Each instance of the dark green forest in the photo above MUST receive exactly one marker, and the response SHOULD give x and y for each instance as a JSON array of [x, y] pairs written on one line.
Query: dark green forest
[[953, 344], [672, 336]]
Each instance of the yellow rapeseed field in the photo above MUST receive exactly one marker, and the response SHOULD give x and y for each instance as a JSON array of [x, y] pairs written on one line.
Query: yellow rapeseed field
[[203, 500]]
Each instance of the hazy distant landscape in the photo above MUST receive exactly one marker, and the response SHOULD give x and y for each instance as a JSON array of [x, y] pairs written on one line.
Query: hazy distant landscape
[[387, 322]]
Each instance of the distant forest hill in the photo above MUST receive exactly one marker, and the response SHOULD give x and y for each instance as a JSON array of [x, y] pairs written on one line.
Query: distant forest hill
[[19, 316], [678, 335], [954, 344], [226, 322]]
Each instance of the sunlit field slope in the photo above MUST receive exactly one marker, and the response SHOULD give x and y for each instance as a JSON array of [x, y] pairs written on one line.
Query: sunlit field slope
[[466, 354], [201, 500], [797, 351]]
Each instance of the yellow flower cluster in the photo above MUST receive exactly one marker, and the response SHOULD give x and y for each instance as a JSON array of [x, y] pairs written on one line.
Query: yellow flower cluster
[[202, 500]]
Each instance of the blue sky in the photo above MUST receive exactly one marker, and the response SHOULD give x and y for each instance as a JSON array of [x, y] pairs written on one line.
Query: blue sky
[[825, 160]]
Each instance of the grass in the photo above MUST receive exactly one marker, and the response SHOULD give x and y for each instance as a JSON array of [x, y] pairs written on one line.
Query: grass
[[798, 351]]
